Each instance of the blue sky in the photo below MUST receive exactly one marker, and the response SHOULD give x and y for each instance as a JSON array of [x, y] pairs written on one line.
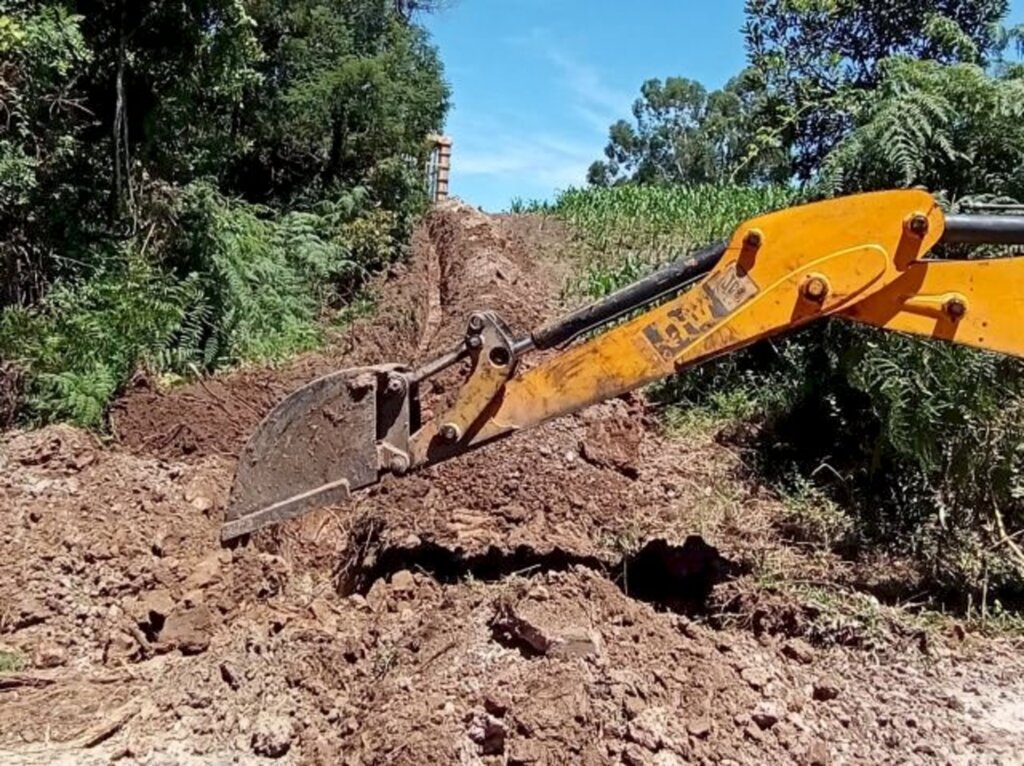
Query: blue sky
[[537, 82]]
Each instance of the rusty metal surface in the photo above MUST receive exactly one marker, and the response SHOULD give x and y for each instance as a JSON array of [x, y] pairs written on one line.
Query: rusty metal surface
[[312, 450]]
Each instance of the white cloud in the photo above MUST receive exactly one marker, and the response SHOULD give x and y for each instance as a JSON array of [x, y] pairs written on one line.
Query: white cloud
[[586, 85], [597, 103], [597, 120], [510, 153], [547, 160]]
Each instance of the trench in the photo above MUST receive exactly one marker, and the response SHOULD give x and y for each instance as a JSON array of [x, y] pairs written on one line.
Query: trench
[[673, 578]]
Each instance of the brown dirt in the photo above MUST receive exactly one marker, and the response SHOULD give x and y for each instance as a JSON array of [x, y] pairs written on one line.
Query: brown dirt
[[463, 263], [549, 600]]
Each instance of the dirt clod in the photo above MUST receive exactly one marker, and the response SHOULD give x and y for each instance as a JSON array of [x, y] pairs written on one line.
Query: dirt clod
[[188, 630], [757, 677], [153, 607], [767, 714], [49, 656], [700, 727], [537, 631], [403, 581], [827, 688], [799, 650], [634, 755], [272, 735], [206, 573], [488, 733], [818, 754]]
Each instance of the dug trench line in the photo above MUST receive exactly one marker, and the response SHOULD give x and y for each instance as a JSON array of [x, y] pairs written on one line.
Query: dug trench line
[[572, 484], [673, 578], [461, 262]]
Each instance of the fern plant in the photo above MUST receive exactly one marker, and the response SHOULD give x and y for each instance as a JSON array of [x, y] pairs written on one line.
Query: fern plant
[[264, 280], [953, 129], [86, 339], [233, 283]]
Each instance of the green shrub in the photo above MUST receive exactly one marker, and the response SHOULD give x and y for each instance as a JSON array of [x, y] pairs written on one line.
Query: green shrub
[[262, 280], [921, 442], [811, 517], [232, 284], [81, 343]]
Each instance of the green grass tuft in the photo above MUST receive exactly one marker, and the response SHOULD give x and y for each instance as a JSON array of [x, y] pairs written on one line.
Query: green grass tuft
[[11, 662]]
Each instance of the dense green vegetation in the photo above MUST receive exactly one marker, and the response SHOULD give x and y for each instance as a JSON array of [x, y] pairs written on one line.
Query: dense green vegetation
[[188, 186], [921, 444], [629, 230]]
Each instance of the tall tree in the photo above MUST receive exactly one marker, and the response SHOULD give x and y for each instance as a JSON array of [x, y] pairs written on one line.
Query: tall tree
[[165, 82], [42, 56], [684, 134], [409, 8], [111, 105], [955, 129], [163, 163], [818, 59], [346, 89]]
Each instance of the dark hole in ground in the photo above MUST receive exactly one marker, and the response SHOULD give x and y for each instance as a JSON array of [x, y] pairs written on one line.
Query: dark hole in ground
[[450, 566], [676, 578], [151, 629]]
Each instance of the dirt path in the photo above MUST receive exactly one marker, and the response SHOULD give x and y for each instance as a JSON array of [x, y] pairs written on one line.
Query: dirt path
[[578, 594]]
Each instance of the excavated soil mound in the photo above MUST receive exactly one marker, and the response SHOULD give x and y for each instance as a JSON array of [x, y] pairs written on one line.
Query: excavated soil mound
[[545, 601]]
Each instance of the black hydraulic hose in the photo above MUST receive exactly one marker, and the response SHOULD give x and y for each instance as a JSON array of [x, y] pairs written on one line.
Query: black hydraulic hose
[[669, 279], [984, 230]]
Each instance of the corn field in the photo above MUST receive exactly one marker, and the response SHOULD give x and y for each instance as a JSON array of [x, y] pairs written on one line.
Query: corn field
[[627, 231]]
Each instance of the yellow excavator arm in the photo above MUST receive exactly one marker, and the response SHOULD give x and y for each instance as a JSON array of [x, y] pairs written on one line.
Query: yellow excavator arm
[[863, 258]]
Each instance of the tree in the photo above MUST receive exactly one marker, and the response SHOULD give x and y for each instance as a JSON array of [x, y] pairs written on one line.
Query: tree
[[163, 163], [114, 104], [165, 84], [97, 101], [817, 60], [346, 90], [42, 55], [406, 9], [954, 129], [684, 134]]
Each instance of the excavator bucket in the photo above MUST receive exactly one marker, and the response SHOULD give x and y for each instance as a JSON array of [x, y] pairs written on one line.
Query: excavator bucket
[[316, 447]]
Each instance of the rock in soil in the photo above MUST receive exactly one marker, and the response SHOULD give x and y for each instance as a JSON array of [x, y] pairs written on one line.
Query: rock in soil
[[272, 736], [827, 688]]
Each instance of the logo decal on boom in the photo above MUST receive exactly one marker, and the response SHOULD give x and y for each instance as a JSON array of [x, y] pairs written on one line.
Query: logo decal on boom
[[697, 313]]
